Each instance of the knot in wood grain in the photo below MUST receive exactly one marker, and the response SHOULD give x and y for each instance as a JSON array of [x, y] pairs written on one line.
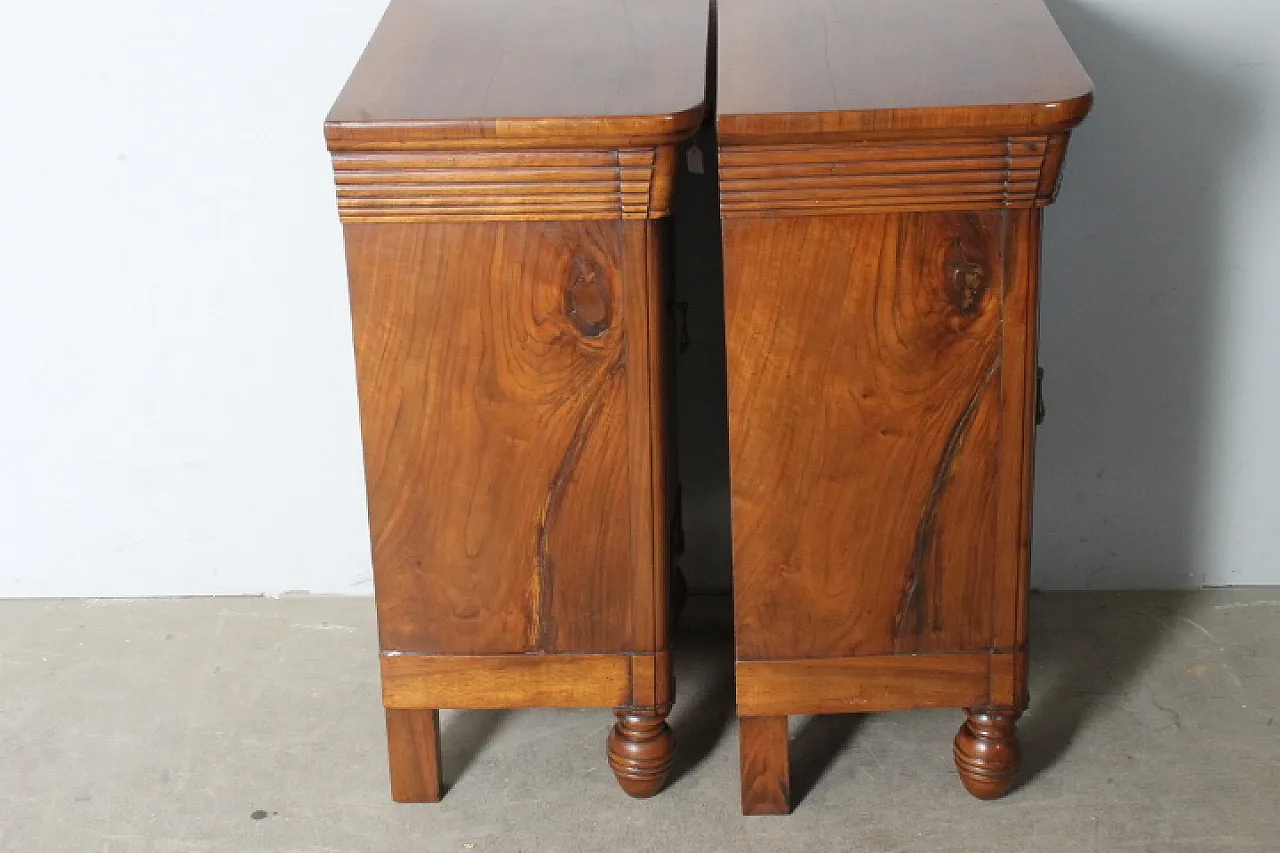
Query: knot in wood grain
[[967, 280], [587, 301]]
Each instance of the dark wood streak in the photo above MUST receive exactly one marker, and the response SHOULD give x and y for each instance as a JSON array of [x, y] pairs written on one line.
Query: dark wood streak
[[512, 403], [967, 283], [543, 605], [908, 614], [586, 299], [881, 167]]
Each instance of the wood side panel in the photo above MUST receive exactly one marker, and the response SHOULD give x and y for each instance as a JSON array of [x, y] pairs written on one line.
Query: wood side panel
[[864, 389], [585, 555], [644, 294], [878, 683], [1026, 228], [506, 681], [1017, 451], [492, 374]]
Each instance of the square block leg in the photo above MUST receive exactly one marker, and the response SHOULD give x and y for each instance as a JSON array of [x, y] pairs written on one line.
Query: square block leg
[[413, 744], [766, 765]]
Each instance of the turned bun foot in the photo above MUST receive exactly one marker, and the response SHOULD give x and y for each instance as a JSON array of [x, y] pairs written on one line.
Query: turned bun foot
[[987, 752], [641, 750]]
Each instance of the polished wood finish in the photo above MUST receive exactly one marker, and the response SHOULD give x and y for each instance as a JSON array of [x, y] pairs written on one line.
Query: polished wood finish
[[883, 165], [413, 746], [506, 681], [879, 683], [765, 765], [434, 186], [867, 411], [987, 751], [881, 175], [641, 750], [799, 70], [495, 405], [502, 173], [485, 74]]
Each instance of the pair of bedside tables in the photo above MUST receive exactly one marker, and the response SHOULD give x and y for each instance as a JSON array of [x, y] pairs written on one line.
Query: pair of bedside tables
[[504, 172]]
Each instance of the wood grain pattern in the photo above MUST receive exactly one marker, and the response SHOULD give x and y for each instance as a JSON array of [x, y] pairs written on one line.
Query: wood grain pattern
[[506, 681], [1017, 449], [651, 681], [883, 167], [1009, 677], [987, 752], [892, 682], [413, 747], [501, 171], [765, 765], [432, 186], [872, 177], [792, 71], [456, 74], [641, 751], [648, 437], [491, 362], [864, 398]]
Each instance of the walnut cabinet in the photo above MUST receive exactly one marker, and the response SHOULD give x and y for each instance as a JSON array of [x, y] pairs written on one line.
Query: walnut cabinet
[[503, 174], [883, 165]]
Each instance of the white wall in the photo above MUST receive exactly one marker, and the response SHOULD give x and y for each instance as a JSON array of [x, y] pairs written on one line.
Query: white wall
[[178, 410], [1160, 460]]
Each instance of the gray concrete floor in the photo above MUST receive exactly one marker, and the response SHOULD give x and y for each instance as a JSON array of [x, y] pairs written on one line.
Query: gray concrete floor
[[254, 725]]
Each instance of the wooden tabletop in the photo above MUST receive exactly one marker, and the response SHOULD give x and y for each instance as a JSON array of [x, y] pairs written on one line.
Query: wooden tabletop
[[437, 72], [791, 68]]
